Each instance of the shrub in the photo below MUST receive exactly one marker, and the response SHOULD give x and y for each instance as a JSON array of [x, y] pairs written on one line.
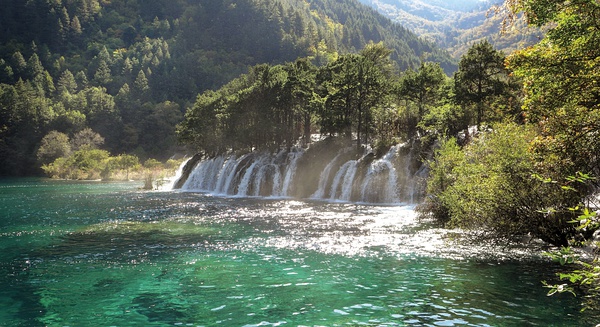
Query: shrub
[[489, 186]]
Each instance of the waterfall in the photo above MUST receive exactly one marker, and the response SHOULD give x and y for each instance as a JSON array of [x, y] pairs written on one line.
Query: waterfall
[[324, 176], [260, 178], [289, 173], [389, 179], [345, 175], [348, 181], [227, 186], [375, 173], [207, 175], [245, 182], [171, 181], [225, 175]]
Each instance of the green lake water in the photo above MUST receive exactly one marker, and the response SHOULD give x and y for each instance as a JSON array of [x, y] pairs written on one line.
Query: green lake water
[[106, 254]]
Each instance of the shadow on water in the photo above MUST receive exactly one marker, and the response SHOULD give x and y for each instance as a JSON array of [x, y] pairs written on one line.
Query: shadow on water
[[153, 306], [21, 291]]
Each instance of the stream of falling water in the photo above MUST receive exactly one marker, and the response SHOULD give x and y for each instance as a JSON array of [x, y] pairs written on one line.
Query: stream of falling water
[[277, 175]]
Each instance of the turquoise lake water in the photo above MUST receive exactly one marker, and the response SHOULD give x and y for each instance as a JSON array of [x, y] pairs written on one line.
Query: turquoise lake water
[[106, 254]]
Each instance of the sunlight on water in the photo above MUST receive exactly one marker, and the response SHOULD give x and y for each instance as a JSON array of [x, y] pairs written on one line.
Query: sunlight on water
[[77, 254]]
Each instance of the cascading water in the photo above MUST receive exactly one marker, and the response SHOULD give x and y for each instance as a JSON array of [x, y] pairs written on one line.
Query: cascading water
[[290, 172], [377, 169], [324, 177], [345, 177], [249, 175], [225, 175], [245, 182], [172, 180], [204, 175]]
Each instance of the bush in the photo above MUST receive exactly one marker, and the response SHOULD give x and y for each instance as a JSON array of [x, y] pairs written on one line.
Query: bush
[[447, 157], [53, 146], [489, 186]]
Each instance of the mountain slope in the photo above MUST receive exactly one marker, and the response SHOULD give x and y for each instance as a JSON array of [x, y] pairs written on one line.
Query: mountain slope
[[455, 25], [128, 69]]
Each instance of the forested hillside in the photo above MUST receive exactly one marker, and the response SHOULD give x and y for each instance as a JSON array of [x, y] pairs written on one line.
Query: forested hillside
[[129, 69], [456, 25]]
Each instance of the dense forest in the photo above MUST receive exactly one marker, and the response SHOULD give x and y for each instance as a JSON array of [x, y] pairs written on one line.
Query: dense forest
[[129, 69], [362, 96]]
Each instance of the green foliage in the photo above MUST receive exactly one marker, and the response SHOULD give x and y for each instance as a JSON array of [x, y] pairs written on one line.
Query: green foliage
[[423, 86], [562, 84], [53, 146], [448, 156], [126, 162], [274, 106], [355, 86], [481, 77], [488, 187], [153, 164], [423, 89], [586, 221], [128, 69], [152, 169], [81, 164], [582, 273], [444, 119]]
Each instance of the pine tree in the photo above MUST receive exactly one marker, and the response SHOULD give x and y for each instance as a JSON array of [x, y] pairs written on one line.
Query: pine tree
[[481, 75], [19, 63], [76, 26], [103, 75], [67, 83], [81, 79], [140, 85]]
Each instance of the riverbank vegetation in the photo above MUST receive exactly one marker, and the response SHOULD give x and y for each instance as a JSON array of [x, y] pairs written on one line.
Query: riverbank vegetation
[[81, 158], [362, 96]]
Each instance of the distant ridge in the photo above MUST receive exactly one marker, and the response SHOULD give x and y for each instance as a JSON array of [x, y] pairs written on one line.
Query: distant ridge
[[456, 25]]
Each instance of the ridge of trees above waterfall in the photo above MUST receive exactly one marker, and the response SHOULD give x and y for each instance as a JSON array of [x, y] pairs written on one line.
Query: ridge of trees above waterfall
[[362, 96], [128, 69]]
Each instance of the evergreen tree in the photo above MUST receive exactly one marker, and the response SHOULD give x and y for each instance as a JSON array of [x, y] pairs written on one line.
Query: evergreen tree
[[67, 83], [19, 63], [423, 86], [140, 85], [76, 29], [103, 75], [481, 75], [35, 69], [81, 79]]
